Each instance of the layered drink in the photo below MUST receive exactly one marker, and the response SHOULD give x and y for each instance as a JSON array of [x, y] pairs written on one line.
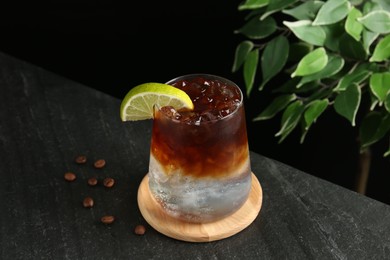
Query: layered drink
[[199, 168]]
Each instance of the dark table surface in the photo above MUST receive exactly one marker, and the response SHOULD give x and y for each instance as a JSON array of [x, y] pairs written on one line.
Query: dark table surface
[[47, 120]]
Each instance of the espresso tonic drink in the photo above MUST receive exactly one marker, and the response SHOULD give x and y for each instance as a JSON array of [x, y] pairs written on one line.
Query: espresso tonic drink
[[199, 167]]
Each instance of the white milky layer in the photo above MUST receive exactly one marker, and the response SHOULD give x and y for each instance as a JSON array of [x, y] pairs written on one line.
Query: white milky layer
[[199, 199]]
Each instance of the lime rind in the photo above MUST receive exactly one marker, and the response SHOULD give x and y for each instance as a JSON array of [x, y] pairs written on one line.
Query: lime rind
[[139, 101]]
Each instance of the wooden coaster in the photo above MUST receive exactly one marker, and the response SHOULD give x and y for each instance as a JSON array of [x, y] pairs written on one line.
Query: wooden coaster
[[199, 232]]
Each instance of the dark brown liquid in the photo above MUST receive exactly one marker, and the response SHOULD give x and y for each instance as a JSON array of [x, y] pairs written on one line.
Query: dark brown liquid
[[211, 140]]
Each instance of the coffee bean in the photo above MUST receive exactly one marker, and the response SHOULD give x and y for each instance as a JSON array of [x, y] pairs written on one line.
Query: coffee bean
[[70, 176], [81, 159], [99, 163], [88, 202], [139, 230], [107, 219], [108, 182], [92, 181]]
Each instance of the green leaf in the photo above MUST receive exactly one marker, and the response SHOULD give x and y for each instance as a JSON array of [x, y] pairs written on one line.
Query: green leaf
[[291, 86], [380, 85], [256, 12], [308, 87], [252, 4], [385, 4], [377, 21], [297, 50], [356, 2], [314, 110], [306, 32], [387, 153], [352, 26], [387, 102], [354, 77], [351, 48], [258, 29], [287, 87], [374, 101], [274, 58], [333, 33], [371, 6], [277, 105], [382, 50], [347, 103], [368, 38], [321, 93], [334, 65], [250, 67], [373, 128], [290, 119], [332, 12], [241, 53], [311, 63], [275, 6], [305, 11]]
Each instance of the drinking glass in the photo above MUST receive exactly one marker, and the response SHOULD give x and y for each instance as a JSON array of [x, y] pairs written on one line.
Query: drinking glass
[[199, 168]]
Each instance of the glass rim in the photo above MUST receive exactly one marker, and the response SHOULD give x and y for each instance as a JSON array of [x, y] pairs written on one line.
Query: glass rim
[[207, 76]]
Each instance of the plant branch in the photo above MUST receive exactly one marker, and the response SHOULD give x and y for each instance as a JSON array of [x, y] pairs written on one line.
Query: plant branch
[[363, 173]]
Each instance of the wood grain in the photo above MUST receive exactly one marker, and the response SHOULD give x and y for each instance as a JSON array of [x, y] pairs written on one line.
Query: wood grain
[[199, 232]]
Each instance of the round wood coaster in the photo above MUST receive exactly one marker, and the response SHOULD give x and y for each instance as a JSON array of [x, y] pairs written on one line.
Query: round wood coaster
[[199, 232]]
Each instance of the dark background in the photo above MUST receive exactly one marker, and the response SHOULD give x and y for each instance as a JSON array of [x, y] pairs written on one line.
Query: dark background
[[112, 47]]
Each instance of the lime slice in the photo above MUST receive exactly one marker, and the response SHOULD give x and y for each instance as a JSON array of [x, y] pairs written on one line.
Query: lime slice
[[139, 101]]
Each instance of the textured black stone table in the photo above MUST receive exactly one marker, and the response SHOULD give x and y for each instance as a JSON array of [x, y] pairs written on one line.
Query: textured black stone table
[[47, 120]]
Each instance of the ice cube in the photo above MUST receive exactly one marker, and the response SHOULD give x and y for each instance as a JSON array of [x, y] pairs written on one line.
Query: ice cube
[[209, 116], [171, 112]]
